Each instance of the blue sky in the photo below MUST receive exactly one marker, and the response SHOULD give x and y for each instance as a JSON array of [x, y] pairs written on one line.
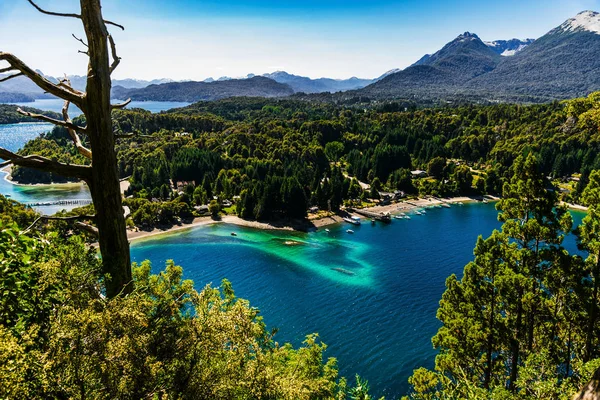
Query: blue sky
[[196, 39]]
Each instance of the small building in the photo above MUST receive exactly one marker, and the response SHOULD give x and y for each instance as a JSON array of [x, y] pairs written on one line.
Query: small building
[[202, 209], [419, 173]]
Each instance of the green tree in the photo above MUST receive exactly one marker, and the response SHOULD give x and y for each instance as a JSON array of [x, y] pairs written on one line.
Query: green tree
[[436, 167]]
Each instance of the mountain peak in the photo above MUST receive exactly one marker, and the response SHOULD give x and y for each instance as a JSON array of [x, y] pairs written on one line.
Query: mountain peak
[[466, 36], [585, 21]]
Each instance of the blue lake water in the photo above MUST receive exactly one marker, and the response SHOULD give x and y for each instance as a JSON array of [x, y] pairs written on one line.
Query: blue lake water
[[377, 322], [57, 104], [14, 136]]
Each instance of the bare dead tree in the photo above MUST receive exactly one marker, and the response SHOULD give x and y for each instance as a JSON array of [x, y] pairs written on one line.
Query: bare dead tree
[[102, 176]]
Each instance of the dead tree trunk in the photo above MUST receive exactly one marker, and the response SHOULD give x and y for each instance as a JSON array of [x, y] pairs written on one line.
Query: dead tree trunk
[[102, 177], [105, 188]]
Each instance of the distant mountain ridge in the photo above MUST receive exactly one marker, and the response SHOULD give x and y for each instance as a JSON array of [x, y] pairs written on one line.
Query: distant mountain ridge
[[562, 64], [192, 91], [320, 85], [22, 87]]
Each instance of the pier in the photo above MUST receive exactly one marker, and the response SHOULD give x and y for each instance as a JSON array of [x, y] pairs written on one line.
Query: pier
[[369, 214], [76, 202]]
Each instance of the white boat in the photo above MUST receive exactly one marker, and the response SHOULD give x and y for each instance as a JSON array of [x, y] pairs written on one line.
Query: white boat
[[423, 212], [398, 217], [353, 220], [418, 213], [446, 205], [349, 231], [233, 234], [406, 217], [327, 230], [485, 201]]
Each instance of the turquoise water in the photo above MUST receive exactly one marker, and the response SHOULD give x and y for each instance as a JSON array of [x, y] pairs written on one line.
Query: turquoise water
[[376, 311], [13, 137]]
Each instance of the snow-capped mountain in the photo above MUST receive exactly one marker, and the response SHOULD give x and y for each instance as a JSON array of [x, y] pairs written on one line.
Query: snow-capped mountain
[[510, 47], [585, 21], [562, 64]]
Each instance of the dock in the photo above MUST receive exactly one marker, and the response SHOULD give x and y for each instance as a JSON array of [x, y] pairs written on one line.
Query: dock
[[75, 202], [386, 218]]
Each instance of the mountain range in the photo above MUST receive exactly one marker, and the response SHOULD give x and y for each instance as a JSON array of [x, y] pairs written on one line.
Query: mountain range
[[21, 89], [257, 86], [561, 64]]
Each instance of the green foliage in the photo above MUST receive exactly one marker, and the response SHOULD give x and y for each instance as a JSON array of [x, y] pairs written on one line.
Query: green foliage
[[60, 338], [522, 320]]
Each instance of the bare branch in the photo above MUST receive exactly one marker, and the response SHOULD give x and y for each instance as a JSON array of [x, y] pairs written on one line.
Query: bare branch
[[41, 81], [121, 105], [116, 58], [79, 40], [83, 52], [53, 13], [55, 218], [68, 15], [11, 76], [114, 24], [64, 124], [45, 164], [92, 230], [72, 132], [3, 70]]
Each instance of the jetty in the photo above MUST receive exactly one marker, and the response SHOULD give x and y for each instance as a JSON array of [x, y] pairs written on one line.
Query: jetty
[[383, 217], [76, 202]]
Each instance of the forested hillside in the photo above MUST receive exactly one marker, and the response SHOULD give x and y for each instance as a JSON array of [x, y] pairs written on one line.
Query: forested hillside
[[281, 157]]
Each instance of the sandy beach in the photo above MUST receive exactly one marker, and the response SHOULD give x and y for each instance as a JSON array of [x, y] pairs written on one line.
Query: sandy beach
[[313, 223]]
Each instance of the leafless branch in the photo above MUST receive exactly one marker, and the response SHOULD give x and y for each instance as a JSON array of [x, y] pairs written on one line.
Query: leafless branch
[[92, 230], [68, 15], [83, 52], [121, 105], [79, 40], [55, 218], [3, 70], [41, 81], [116, 58], [53, 13], [11, 76], [45, 164], [84, 151], [65, 124]]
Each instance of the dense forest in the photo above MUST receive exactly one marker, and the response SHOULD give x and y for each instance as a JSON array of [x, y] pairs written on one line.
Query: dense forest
[[277, 158], [520, 323], [60, 337], [9, 114]]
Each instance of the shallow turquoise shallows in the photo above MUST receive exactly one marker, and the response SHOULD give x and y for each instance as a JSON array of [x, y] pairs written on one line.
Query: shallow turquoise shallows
[[372, 296], [13, 137]]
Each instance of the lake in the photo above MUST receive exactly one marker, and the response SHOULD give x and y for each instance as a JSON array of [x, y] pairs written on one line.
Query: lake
[[14, 136], [378, 321], [57, 104]]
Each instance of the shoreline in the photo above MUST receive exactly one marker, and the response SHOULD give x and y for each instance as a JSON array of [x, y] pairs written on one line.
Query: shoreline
[[311, 224], [8, 178]]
